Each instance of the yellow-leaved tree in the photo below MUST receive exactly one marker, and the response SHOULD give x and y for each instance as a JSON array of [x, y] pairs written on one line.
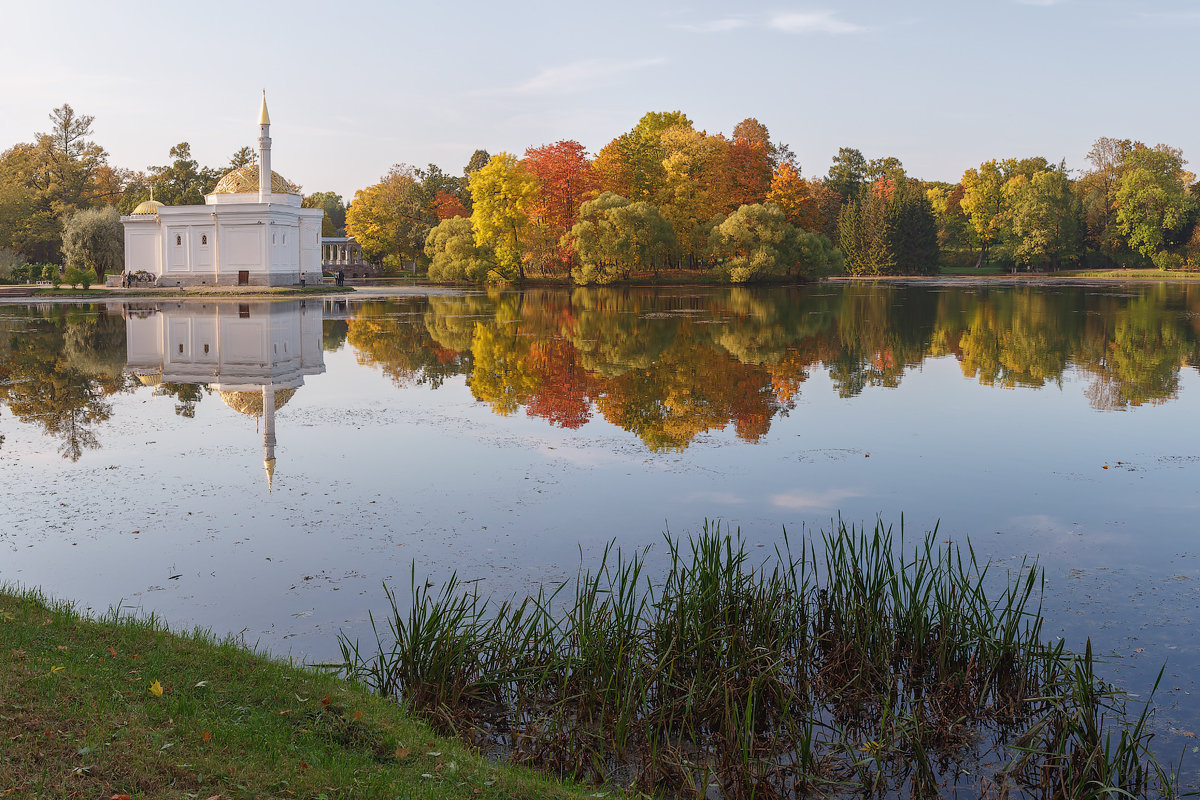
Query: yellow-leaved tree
[[501, 195]]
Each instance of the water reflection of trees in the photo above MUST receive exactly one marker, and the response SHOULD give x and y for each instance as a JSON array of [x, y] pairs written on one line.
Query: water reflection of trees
[[669, 365], [58, 369]]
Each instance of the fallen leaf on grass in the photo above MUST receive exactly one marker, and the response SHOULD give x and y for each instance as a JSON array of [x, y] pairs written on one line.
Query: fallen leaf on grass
[[205, 736], [112, 652], [119, 797], [156, 689], [56, 670], [402, 753]]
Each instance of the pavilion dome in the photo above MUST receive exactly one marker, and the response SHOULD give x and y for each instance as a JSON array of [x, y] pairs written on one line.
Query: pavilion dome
[[244, 180], [147, 207], [251, 403]]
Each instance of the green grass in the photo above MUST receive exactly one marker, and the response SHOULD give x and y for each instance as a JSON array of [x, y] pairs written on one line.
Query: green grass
[[79, 718], [859, 663]]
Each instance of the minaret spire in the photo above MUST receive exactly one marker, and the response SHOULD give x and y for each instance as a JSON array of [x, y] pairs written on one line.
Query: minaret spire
[[268, 401], [264, 151]]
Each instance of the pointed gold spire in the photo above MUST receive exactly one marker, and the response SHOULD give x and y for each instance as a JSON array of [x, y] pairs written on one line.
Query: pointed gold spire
[[269, 465], [263, 117]]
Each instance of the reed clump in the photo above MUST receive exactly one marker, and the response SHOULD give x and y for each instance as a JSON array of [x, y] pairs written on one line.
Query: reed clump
[[852, 664]]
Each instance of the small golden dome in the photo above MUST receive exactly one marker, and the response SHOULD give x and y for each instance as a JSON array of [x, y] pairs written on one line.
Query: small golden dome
[[147, 207], [244, 180], [149, 380], [251, 403]]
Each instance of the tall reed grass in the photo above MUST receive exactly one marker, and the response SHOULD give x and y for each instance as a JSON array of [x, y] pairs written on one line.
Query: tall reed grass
[[853, 664]]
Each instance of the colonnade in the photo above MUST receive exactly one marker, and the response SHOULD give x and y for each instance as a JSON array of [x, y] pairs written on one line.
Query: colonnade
[[340, 252]]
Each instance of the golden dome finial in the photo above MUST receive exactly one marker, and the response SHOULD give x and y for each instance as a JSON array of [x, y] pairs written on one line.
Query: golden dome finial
[[263, 117], [269, 464]]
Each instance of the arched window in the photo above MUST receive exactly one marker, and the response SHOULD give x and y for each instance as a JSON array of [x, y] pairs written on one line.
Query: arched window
[[178, 240], [204, 238]]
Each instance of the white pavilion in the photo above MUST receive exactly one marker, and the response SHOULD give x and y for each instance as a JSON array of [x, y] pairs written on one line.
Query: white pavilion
[[251, 231]]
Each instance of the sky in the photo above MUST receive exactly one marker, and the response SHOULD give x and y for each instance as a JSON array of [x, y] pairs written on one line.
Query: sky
[[355, 87]]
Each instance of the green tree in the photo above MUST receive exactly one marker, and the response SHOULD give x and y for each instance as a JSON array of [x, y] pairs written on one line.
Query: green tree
[[242, 157], [183, 182], [757, 242], [453, 254], [94, 240], [615, 237], [863, 235], [1044, 218], [848, 172], [1098, 188], [501, 195], [1153, 202], [334, 221], [912, 233]]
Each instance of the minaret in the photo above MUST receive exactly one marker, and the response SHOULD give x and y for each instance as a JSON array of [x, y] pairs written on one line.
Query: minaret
[[268, 401], [264, 151]]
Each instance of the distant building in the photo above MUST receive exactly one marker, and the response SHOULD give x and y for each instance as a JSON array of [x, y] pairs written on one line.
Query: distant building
[[251, 231], [343, 254]]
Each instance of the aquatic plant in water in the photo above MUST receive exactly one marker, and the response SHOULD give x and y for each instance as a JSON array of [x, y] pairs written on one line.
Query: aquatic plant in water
[[852, 665]]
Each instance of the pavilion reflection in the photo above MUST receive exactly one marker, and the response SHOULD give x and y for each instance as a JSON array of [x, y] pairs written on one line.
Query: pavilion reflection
[[253, 355]]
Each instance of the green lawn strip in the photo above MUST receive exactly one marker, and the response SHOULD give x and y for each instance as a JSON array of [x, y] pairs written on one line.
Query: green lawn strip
[[80, 717]]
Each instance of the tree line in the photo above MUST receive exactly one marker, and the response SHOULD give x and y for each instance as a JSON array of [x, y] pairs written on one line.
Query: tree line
[[665, 196]]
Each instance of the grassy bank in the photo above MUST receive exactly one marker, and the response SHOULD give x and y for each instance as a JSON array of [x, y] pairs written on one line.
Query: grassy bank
[[860, 664], [118, 708]]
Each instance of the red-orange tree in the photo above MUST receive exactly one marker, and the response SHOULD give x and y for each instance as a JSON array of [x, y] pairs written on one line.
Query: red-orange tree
[[567, 180]]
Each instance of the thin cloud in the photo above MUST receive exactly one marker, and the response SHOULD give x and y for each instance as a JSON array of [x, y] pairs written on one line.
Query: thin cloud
[[813, 22], [800, 500], [716, 26], [580, 75]]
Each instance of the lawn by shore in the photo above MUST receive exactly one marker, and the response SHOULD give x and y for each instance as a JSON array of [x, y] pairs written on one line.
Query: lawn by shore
[[118, 708]]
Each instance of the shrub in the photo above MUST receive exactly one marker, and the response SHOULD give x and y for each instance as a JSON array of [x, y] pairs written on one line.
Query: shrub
[[79, 277]]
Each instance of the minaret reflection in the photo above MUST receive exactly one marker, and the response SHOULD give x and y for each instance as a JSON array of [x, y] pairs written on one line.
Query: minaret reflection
[[254, 355]]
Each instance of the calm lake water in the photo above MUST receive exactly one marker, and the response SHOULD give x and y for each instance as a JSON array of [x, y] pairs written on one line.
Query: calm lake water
[[260, 468]]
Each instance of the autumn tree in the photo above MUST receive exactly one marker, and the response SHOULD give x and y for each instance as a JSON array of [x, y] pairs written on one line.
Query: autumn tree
[[502, 194], [752, 160], [793, 195], [615, 237], [983, 203], [43, 181], [94, 240], [695, 190], [566, 180], [391, 219], [448, 206]]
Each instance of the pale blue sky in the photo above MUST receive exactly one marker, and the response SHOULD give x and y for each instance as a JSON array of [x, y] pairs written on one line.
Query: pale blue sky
[[355, 87]]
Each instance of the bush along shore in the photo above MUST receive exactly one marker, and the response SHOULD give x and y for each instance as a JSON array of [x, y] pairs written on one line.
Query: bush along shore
[[856, 664], [121, 708]]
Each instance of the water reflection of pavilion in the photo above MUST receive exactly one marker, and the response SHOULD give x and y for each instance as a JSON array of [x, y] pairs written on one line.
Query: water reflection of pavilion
[[254, 355]]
